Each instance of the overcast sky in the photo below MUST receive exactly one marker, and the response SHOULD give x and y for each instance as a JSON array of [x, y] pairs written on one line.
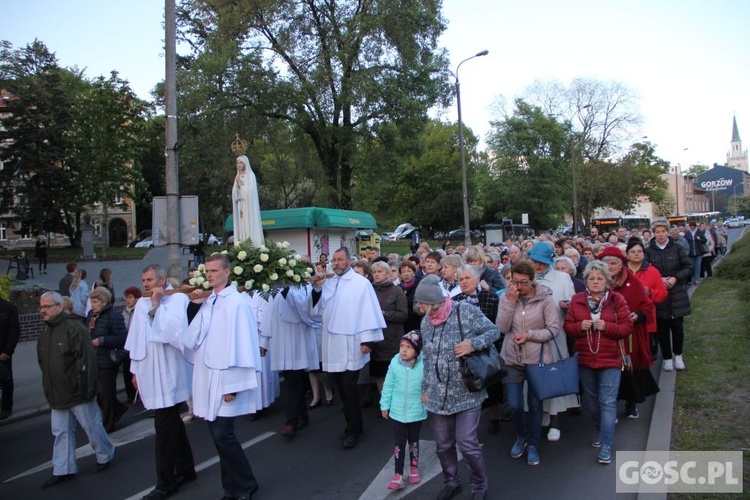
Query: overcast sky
[[686, 59]]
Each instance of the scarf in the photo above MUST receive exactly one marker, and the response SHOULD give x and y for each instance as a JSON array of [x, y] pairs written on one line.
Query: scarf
[[92, 321], [541, 276], [595, 305], [408, 286], [473, 298], [441, 315], [448, 285]]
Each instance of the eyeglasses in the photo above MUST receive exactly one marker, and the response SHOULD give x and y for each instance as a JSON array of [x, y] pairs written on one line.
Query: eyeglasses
[[520, 282], [44, 307]]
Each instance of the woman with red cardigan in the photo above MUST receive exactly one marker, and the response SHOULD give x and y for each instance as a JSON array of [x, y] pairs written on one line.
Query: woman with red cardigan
[[598, 318], [653, 284], [637, 344]]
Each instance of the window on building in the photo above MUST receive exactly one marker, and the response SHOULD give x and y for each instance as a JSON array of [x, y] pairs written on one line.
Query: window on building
[[3, 231]]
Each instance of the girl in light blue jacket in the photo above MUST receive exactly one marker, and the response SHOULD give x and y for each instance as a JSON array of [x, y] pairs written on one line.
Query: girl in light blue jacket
[[401, 402]]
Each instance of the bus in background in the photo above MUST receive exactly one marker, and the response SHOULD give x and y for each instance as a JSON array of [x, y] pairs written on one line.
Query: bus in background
[[698, 217], [629, 222]]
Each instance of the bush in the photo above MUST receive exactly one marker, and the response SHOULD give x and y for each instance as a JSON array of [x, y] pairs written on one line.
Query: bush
[[27, 299], [5, 286], [736, 264]]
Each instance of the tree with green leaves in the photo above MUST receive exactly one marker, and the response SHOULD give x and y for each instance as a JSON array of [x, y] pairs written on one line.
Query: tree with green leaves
[[69, 143], [529, 169], [334, 69], [428, 192]]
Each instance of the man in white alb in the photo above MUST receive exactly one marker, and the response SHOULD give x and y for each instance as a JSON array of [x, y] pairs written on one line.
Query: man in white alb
[[224, 338], [352, 321], [163, 376]]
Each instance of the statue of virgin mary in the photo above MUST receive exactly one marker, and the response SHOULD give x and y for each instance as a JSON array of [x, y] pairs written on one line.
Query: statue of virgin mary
[[245, 205]]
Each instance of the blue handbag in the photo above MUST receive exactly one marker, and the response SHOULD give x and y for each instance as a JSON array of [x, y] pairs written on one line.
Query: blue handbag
[[552, 380]]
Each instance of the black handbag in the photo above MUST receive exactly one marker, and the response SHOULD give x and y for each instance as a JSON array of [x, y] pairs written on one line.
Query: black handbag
[[553, 380], [117, 356], [481, 368]]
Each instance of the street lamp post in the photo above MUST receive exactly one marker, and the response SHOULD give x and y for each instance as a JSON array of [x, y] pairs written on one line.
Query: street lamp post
[[464, 185]]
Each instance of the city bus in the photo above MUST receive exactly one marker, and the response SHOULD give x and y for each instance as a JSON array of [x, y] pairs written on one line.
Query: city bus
[[629, 222], [698, 217]]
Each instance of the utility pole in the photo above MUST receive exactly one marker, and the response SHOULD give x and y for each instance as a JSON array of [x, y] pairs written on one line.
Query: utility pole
[[170, 150]]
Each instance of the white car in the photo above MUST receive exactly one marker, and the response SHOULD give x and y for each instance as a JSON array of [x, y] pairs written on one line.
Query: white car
[[212, 240], [147, 243], [732, 223]]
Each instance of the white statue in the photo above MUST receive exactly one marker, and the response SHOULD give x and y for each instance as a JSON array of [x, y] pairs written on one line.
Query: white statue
[[245, 206]]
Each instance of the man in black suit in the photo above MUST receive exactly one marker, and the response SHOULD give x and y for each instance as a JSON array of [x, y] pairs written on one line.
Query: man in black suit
[[10, 330]]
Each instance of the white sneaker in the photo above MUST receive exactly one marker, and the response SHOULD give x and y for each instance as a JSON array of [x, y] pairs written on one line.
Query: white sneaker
[[668, 365], [679, 364], [553, 434]]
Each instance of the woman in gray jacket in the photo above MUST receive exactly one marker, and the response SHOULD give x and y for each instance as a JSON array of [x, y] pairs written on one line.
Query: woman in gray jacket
[[450, 331], [529, 318]]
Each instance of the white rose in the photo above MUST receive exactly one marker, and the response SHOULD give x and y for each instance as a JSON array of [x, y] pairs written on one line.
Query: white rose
[[258, 268], [206, 285], [193, 282], [199, 280], [306, 275], [274, 277], [201, 267], [309, 270], [292, 262], [296, 278], [224, 252], [242, 255], [263, 249], [249, 284], [290, 273], [264, 257], [234, 283], [266, 287], [282, 261], [237, 270], [285, 244]]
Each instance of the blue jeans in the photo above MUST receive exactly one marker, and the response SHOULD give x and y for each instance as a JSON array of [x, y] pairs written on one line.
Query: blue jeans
[[529, 428], [600, 399], [459, 429], [63, 423], [696, 261], [236, 474]]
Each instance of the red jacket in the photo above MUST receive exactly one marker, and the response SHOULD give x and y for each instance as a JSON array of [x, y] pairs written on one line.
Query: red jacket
[[638, 302], [651, 278], [616, 316]]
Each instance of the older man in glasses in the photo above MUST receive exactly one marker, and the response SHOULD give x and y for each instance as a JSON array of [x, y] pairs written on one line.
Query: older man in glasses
[[69, 376]]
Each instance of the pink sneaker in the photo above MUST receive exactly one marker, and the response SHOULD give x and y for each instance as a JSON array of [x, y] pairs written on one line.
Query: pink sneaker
[[414, 475], [397, 482]]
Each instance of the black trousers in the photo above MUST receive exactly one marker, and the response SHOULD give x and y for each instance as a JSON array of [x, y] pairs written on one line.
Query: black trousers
[[403, 435], [237, 476], [346, 383], [127, 378], [671, 336], [296, 404], [7, 387], [174, 457], [107, 398]]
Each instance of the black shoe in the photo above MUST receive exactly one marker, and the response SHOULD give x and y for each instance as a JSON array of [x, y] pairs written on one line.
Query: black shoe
[[350, 441], [158, 494], [329, 402], [494, 427], [449, 492], [120, 412], [316, 405], [256, 416], [102, 467], [186, 478], [289, 431], [57, 480]]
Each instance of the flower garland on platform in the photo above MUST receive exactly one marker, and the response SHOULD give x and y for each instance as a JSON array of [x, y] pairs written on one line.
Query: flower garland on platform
[[265, 269]]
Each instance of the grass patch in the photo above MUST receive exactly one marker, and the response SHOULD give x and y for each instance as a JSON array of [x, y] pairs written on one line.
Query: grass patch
[[712, 397], [69, 254]]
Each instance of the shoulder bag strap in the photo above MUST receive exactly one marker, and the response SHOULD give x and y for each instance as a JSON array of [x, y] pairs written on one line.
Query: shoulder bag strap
[[460, 326]]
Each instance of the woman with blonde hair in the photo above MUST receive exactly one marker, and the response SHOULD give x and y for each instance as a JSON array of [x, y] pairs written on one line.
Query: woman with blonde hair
[[79, 292]]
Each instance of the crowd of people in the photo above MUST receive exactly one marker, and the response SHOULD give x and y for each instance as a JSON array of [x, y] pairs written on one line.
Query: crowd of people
[[613, 299]]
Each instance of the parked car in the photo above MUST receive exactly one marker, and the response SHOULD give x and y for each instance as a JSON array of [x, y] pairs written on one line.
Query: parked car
[[733, 222], [212, 240], [458, 234], [402, 232], [146, 243], [146, 233]]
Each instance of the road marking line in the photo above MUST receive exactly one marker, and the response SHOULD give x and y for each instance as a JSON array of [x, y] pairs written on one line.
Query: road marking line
[[429, 467], [134, 432], [208, 463]]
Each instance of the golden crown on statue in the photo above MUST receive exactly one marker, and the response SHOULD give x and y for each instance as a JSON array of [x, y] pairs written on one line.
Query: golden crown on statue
[[239, 146]]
